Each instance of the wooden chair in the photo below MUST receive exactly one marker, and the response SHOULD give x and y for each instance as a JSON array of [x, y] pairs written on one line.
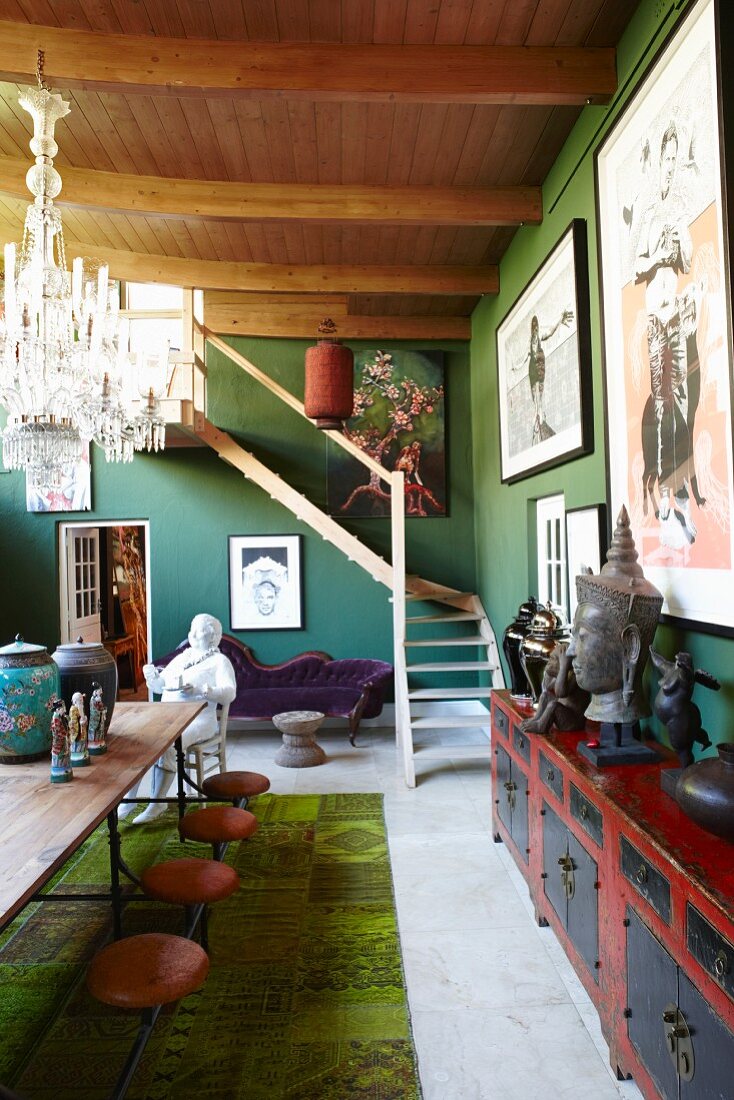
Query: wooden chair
[[207, 756]]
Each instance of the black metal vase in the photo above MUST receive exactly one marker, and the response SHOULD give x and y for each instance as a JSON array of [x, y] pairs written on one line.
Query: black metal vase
[[512, 639], [81, 664]]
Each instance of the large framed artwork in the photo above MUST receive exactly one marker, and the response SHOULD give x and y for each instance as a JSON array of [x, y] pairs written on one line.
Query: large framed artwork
[[265, 591], [664, 271], [398, 420], [544, 364]]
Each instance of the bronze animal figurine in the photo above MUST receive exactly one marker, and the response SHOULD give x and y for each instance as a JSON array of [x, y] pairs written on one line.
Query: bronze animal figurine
[[673, 704], [562, 702]]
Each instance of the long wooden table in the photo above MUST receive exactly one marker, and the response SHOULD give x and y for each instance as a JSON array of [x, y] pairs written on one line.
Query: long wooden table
[[43, 823]]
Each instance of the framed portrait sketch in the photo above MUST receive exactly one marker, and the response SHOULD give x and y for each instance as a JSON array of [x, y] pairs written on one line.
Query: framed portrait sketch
[[586, 545], [664, 272], [544, 364], [265, 590]]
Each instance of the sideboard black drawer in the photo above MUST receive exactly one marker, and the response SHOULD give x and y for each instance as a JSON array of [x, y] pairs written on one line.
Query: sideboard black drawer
[[501, 722], [521, 741], [714, 952], [587, 815], [550, 776], [646, 879]]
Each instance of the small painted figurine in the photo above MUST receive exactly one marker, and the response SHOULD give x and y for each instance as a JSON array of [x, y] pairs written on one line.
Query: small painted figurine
[[562, 702], [97, 722], [78, 732], [673, 704], [60, 755]]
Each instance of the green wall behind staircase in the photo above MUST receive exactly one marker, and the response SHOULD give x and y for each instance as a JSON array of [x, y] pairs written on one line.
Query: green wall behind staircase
[[194, 501], [504, 514]]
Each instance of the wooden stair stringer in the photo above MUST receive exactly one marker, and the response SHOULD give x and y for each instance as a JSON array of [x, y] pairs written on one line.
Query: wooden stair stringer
[[230, 451]]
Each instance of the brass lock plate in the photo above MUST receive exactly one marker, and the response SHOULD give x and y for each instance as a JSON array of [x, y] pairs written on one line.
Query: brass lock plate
[[678, 1042]]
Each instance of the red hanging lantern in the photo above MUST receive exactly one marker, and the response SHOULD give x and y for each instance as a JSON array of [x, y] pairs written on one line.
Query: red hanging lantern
[[329, 396]]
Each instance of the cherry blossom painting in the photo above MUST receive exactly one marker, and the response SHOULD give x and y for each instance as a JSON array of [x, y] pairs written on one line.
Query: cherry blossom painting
[[398, 420]]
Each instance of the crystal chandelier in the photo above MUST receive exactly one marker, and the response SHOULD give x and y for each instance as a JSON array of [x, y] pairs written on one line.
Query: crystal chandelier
[[63, 363]]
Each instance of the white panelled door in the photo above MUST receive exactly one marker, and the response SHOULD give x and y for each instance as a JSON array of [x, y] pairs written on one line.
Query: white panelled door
[[551, 527], [84, 602]]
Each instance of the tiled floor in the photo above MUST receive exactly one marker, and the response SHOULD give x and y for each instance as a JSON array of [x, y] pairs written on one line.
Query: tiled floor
[[497, 1011]]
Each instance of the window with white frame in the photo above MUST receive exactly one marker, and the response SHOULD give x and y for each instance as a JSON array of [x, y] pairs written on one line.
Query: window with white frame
[[551, 531]]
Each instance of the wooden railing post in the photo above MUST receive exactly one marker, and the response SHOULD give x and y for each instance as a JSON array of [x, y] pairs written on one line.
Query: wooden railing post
[[397, 526]]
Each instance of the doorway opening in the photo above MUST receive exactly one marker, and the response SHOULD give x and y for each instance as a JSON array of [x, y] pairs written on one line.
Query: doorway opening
[[104, 591]]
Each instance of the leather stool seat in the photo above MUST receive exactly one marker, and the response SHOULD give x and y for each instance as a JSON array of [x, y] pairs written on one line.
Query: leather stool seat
[[218, 825], [191, 881], [230, 785], [147, 970]]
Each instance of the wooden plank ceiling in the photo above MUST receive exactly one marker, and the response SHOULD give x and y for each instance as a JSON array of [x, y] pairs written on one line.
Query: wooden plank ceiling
[[389, 155]]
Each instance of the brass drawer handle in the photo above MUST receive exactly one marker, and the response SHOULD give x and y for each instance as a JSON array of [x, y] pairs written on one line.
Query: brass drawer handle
[[584, 811], [641, 875], [521, 742], [550, 775], [721, 964]]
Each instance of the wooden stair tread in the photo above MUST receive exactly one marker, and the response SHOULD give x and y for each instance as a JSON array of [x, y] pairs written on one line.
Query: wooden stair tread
[[437, 597], [452, 721], [452, 666], [451, 693], [470, 639], [454, 752], [451, 617]]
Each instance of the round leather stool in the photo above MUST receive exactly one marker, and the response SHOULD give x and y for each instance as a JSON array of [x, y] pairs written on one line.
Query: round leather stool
[[235, 786], [145, 972], [218, 826], [192, 883]]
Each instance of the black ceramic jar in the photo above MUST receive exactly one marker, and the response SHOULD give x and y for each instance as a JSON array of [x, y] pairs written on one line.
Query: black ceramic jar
[[80, 665], [705, 792]]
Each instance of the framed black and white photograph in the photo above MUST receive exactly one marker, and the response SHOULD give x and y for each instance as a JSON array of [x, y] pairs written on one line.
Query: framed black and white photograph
[[586, 546], [665, 276], [265, 591], [544, 364]]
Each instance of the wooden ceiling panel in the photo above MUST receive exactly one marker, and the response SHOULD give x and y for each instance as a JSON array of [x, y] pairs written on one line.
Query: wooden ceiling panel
[[293, 139]]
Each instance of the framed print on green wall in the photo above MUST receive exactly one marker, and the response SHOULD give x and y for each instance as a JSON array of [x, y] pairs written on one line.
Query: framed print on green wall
[[265, 587], [544, 364], [665, 278]]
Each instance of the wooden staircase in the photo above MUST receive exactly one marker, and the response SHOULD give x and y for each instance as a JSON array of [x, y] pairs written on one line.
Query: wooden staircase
[[456, 626], [456, 620]]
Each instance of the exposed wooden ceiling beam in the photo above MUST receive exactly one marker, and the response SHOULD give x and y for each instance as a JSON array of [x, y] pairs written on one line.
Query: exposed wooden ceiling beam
[[316, 71], [305, 279], [300, 324], [158, 196]]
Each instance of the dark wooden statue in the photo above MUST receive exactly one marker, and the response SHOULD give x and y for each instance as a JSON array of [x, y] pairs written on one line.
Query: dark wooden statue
[[673, 704], [562, 702]]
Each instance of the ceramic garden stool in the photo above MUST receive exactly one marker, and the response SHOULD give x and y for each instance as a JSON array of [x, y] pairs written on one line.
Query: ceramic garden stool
[[299, 748], [235, 786], [145, 972], [194, 883], [218, 826]]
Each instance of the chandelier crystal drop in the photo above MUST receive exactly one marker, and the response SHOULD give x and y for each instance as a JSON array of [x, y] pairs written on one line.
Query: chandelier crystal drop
[[63, 364]]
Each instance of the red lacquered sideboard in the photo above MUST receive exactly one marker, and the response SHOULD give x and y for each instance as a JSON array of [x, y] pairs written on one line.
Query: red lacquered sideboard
[[640, 897]]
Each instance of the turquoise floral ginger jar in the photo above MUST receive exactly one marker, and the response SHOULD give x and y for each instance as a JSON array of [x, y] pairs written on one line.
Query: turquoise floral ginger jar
[[29, 681]]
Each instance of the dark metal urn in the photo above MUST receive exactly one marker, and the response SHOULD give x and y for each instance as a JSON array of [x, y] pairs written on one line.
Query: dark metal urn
[[546, 629], [705, 792], [512, 640], [80, 665]]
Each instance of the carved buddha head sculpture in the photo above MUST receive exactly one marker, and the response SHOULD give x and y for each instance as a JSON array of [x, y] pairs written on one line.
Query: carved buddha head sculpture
[[614, 624]]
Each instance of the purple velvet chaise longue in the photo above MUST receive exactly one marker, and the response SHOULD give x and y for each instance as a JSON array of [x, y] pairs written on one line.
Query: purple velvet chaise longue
[[353, 687]]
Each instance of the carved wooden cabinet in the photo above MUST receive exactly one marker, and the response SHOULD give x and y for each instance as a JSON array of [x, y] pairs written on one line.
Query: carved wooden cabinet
[[640, 897]]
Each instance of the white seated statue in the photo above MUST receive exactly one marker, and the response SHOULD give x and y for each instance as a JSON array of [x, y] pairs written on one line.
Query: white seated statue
[[199, 672]]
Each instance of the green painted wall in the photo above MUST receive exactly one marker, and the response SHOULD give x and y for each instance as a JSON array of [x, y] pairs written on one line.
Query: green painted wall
[[503, 517], [194, 501]]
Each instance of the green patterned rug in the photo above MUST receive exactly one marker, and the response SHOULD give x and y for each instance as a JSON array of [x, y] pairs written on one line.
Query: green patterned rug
[[305, 999]]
